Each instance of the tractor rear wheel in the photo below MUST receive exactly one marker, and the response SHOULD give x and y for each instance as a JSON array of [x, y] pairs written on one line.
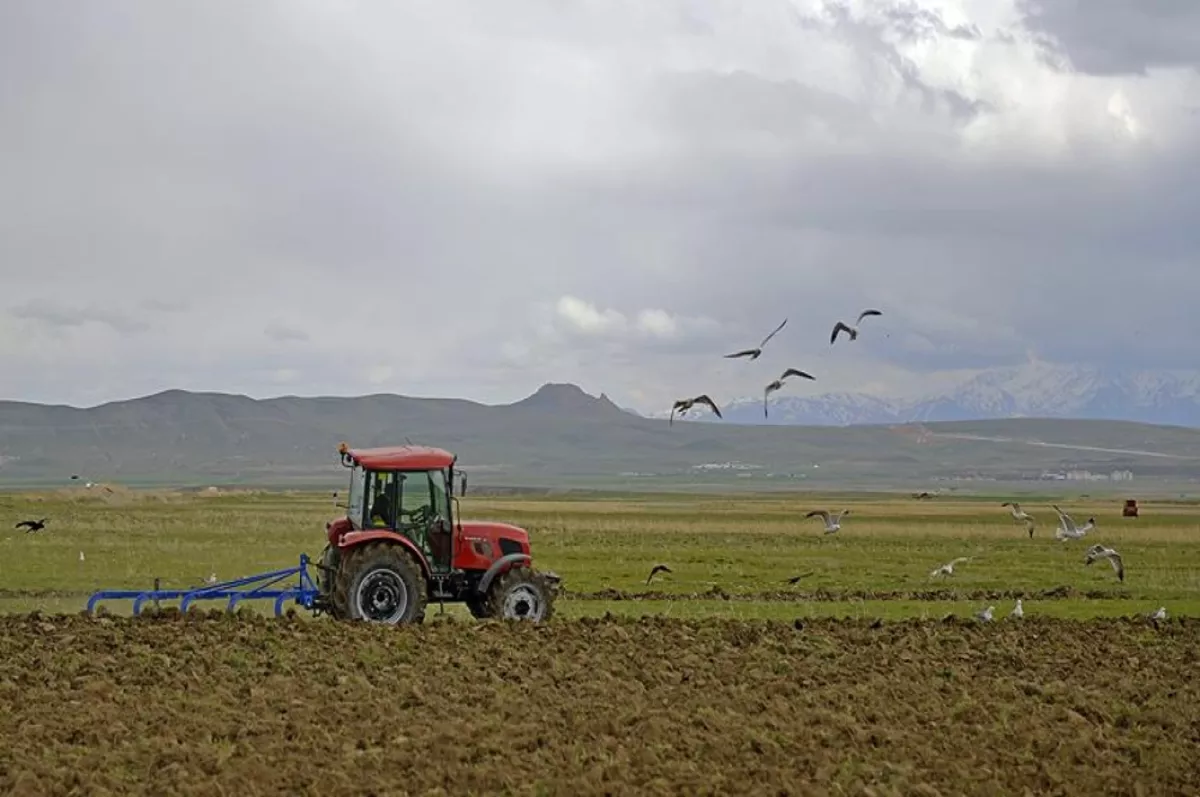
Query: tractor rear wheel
[[381, 583], [520, 594]]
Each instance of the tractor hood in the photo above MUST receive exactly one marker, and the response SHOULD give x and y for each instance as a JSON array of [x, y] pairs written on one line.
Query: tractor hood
[[492, 530]]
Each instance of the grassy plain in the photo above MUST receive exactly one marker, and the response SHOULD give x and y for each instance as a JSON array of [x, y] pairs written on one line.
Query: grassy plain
[[730, 555]]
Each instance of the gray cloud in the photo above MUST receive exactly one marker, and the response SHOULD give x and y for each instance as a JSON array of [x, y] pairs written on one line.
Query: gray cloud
[[1113, 37], [466, 199]]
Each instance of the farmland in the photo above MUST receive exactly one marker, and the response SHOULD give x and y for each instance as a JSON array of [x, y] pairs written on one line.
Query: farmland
[[716, 678]]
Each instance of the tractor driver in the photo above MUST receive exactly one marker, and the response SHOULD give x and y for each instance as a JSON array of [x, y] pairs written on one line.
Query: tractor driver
[[381, 509]]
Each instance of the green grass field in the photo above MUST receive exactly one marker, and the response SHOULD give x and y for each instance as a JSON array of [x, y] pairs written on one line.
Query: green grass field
[[730, 554]]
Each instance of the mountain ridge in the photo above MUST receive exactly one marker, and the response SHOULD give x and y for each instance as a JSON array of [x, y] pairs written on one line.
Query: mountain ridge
[[558, 435], [1032, 390]]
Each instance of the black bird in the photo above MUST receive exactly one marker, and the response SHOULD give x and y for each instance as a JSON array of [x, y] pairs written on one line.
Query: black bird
[[34, 525], [656, 570], [754, 353], [796, 579], [852, 331], [778, 384], [683, 405]]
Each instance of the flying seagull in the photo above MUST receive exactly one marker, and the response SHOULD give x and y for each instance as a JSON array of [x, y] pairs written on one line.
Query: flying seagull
[[1067, 530], [1018, 611], [1114, 559], [33, 525], [796, 579], [656, 570], [683, 405], [1020, 514], [754, 353], [986, 614], [832, 523], [948, 568], [852, 331], [778, 384]]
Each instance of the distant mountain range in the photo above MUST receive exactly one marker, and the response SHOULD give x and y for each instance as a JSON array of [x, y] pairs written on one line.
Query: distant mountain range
[[558, 437], [1033, 390]]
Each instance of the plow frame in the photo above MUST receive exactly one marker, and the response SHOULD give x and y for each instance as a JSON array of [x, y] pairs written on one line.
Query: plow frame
[[256, 587]]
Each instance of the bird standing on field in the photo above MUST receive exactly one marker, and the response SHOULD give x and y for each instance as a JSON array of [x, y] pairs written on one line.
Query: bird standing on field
[[986, 614], [1018, 611]]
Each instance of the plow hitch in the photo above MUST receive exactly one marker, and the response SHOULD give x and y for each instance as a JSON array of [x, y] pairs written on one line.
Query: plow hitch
[[258, 587]]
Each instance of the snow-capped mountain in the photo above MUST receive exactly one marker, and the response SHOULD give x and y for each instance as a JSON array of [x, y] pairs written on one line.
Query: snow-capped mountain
[[1035, 389]]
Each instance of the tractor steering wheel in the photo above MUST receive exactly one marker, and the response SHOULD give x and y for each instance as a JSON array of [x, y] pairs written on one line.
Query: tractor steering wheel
[[420, 516]]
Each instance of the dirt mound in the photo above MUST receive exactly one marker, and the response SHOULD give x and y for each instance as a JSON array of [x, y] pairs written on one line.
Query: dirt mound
[[210, 704]]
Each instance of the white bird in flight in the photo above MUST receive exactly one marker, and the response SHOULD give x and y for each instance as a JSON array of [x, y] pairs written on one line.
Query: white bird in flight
[[1067, 530], [1114, 559], [832, 522], [754, 353], [1018, 611], [1020, 514], [852, 331], [948, 568]]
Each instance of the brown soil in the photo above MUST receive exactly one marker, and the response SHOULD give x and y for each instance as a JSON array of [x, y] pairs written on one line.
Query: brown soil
[[209, 704]]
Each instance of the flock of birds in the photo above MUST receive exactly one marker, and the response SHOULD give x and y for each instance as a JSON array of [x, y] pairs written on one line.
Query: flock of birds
[[683, 406], [1067, 530]]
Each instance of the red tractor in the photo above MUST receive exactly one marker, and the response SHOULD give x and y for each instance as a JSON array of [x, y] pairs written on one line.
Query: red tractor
[[402, 545]]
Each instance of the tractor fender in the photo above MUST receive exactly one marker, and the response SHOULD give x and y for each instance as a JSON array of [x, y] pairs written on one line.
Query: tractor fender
[[354, 539], [497, 567]]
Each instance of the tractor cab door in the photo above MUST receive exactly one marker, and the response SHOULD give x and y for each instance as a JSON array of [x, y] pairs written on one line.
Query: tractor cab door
[[424, 516]]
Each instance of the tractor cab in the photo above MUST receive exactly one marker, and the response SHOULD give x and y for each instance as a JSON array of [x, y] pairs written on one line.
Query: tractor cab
[[407, 490]]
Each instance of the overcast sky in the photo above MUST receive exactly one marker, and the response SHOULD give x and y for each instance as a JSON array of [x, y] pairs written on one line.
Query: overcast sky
[[473, 198]]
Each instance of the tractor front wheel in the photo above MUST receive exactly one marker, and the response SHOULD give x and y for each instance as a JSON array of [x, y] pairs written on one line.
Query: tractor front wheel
[[381, 583], [520, 594]]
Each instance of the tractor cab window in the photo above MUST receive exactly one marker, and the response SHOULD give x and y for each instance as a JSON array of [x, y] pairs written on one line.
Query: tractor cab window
[[416, 502], [382, 500], [356, 501]]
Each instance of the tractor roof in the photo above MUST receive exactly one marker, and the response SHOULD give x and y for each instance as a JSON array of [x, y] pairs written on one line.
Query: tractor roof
[[401, 457]]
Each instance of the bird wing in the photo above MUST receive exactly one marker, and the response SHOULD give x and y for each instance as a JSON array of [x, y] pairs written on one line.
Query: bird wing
[[1008, 503], [960, 560], [866, 313], [838, 327], [773, 334], [796, 372], [823, 513], [1065, 519], [712, 404], [1118, 564], [743, 353], [28, 523]]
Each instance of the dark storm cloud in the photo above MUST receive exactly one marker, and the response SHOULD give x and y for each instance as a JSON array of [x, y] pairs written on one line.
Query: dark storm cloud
[[257, 189]]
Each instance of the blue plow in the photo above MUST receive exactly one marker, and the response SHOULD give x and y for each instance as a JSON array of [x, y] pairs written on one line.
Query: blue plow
[[258, 587]]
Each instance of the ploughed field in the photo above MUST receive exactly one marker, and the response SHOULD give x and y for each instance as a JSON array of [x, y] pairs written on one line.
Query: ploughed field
[[221, 704]]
